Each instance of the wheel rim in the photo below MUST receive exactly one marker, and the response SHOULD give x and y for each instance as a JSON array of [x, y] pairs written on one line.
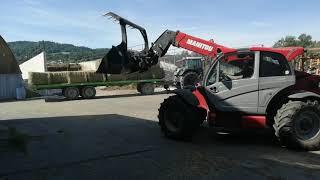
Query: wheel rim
[[72, 93], [89, 92], [148, 89], [173, 121], [307, 125]]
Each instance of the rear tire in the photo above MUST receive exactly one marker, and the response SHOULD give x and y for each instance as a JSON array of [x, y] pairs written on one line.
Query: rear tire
[[189, 79], [177, 119], [88, 92], [297, 125], [71, 93]]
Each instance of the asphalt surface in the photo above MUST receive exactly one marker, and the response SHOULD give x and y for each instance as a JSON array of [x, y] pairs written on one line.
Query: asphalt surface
[[117, 137]]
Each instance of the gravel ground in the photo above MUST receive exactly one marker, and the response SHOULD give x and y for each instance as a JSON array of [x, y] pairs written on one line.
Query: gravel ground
[[116, 136]]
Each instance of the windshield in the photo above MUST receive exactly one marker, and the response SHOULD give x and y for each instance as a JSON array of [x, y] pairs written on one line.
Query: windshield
[[232, 67]]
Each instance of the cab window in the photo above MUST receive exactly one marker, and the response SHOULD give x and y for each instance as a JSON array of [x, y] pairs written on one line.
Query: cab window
[[235, 67], [232, 67], [273, 64]]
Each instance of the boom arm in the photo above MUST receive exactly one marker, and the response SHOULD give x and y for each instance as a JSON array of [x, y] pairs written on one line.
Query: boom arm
[[182, 40], [120, 60]]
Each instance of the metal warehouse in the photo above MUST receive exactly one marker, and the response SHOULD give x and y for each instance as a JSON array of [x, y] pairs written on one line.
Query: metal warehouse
[[10, 74]]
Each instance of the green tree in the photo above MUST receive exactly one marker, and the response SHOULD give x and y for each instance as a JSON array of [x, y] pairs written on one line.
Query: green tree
[[68, 53], [303, 40], [286, 42]]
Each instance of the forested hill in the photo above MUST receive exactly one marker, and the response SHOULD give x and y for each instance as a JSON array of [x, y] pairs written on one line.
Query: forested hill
[[56, 52], [68, 53]]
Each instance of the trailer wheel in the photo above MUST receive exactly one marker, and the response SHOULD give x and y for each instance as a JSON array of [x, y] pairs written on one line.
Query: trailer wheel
[[147, 89], [71, 93], [88, 92], [139, 85]]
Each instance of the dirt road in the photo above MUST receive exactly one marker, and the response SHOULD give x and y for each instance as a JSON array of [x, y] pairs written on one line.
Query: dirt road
[[117, 137]]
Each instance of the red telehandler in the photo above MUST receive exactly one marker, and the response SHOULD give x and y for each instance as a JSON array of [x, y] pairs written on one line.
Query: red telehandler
[[254, 87]]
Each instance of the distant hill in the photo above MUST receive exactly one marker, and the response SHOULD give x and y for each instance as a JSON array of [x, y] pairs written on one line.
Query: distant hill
[[56, 52]]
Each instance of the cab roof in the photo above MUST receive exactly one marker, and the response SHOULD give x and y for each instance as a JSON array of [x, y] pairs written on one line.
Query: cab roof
[[289, 52]]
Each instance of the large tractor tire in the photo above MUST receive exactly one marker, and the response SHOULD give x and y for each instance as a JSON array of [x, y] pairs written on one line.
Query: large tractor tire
[[189, 79], [177, 119], [297, 125]]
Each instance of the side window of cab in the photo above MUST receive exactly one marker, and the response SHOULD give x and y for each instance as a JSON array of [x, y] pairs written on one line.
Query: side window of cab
[[273, 64]]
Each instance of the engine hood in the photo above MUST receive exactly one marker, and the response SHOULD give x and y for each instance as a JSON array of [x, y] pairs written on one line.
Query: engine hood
[[302, 74], [307, 80]]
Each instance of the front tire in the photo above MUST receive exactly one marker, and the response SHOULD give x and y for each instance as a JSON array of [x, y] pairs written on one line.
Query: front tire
[[177, 119], [297, 125]]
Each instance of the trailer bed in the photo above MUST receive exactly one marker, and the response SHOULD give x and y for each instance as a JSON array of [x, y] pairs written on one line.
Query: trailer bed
[[87, 89]]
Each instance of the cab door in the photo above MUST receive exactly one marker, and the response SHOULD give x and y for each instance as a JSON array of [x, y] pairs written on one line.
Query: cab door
[[275, 74], [233, 82]]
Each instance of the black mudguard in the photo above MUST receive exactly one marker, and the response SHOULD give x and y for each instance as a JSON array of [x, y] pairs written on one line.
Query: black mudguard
[[304, 95], [187, 96]]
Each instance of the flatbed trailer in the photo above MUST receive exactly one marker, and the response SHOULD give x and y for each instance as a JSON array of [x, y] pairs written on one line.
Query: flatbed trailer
[[87, 90]]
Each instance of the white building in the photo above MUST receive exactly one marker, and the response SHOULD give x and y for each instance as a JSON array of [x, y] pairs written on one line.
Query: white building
[[35, 64]]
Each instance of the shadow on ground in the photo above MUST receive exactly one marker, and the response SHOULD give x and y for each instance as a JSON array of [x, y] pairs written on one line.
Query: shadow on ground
[[113, 146]]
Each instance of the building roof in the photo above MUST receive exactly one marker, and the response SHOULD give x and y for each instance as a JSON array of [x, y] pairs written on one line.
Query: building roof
[[8, 63]]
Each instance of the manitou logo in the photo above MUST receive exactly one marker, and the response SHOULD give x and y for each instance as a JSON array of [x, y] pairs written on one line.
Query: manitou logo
[[199, 45]]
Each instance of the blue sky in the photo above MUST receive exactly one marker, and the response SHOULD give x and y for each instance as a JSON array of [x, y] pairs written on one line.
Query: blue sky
[[233, 23]]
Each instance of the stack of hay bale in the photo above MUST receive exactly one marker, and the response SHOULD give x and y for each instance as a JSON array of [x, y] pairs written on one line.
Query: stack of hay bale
[[64, 77], [71, 77]]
